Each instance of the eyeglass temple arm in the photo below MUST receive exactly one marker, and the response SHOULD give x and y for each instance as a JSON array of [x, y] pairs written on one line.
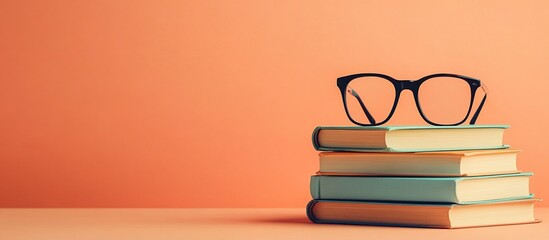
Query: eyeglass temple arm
[[368, 115], [475, 116]]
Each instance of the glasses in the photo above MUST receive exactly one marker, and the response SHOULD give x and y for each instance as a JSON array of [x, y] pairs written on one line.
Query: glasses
[[442, 99]]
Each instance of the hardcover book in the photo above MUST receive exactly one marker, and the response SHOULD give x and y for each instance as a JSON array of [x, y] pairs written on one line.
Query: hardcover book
[[429, 215], [409, 138], [422, 189], [453, 163]]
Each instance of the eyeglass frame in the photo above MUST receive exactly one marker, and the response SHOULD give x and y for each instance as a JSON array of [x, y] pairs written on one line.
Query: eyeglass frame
[[412, 85]]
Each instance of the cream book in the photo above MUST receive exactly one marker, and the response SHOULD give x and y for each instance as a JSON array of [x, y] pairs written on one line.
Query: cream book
[[408, 138], [452, 163], [422, 215]]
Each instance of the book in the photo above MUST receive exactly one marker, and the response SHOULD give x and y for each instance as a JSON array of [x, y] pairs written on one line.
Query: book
[[409, 138], [422, 215], [453, 163], [422, 189]]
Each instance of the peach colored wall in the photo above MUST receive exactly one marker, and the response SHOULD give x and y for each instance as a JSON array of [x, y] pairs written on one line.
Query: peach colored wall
[[212, 103]]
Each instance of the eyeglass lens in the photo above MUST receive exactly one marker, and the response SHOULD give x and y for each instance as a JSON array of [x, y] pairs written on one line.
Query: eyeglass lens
[[445, 100]]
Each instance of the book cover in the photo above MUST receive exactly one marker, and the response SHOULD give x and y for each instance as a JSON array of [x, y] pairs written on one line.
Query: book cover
[[408, 138], [422, 189], [425, 215], [448, 163]]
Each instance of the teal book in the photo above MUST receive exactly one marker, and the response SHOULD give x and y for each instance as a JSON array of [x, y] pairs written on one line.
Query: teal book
[[430, 215], [408, 138], [462, 190]]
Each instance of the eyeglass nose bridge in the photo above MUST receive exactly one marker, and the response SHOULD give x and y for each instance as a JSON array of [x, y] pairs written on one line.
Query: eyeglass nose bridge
[[407, 84]]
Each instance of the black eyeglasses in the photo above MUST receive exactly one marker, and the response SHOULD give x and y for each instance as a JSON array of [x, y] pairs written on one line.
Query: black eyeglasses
[[442, 99]]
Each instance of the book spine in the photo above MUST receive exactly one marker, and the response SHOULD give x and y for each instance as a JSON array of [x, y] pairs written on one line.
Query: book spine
[[383, 189], [372, 221], [315, 187], [316, 145], [310, 213]]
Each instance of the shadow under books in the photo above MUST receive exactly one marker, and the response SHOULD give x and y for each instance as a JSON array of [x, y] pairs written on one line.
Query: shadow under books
[[282, 220]]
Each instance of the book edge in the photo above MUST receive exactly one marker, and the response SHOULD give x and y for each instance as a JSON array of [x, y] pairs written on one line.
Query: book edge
[[403, 127], [320, 148]]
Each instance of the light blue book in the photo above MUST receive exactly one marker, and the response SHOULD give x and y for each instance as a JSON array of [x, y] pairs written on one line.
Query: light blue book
[[408, 138], [462, 190]]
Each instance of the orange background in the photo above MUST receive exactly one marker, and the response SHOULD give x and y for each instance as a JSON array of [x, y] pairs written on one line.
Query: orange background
[[212, 103]]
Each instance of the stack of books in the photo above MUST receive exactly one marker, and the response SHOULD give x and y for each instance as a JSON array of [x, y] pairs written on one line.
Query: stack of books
[[419, 176]]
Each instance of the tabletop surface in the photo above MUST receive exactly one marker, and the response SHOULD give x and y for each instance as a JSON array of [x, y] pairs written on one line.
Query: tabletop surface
[[224, 223]]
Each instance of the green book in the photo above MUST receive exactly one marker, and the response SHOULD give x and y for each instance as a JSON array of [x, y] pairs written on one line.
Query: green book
[[408, 138], [430, 215], [462, 190]]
